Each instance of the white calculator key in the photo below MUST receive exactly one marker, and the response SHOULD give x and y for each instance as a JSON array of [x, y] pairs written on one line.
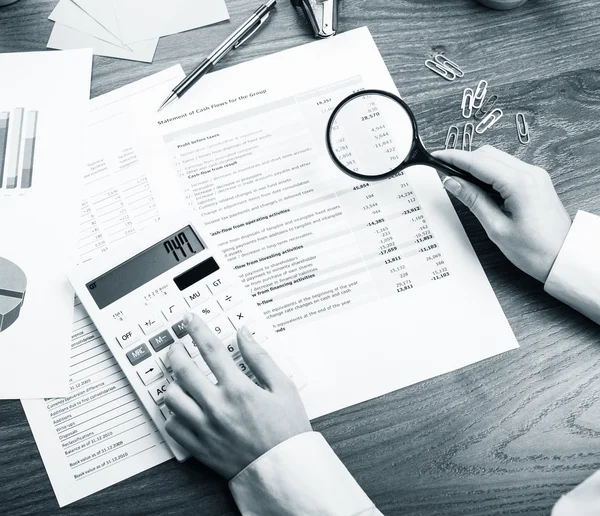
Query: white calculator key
[[216, 283], [221, 327], [230, 298], [128, 335], [190, 346], [166, 412], [208, 310], [158, 390], [240, 316], [149, 372], [173, 308], [202, 365], [212, 378], [242, 366], [196, 294], [164, 360], [231, 344], [151, 322]]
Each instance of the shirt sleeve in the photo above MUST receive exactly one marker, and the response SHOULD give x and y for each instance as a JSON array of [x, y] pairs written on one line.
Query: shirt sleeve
[[584, 500], [300, 477], [575, 275]]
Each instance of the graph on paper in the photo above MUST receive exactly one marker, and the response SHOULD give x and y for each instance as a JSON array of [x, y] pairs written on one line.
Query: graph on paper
[[18, 132]]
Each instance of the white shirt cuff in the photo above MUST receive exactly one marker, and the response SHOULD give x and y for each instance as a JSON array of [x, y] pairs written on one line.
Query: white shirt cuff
[[575, 275], [300, 477]]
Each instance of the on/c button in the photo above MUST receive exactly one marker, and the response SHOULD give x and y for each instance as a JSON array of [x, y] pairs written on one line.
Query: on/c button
[[128, 336]]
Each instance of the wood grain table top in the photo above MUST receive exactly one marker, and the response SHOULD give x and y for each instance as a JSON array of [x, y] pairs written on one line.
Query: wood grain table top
[[505, 436]]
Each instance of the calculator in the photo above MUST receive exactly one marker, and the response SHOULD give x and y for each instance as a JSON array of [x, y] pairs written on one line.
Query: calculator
[[138, 292]]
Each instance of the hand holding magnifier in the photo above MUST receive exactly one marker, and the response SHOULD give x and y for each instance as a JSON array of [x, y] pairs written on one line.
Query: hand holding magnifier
[[373, 135]]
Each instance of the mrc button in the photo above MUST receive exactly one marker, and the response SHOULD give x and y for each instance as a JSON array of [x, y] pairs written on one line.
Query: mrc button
[[162, 340], [138, 354]]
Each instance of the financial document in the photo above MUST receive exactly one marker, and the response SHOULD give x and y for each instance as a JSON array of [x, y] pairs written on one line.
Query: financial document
[[370, 285], [100, 434]]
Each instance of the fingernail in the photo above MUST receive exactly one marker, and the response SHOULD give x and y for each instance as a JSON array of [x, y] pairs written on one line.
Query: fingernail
[[188, 318], [452, 185], [245, 332]]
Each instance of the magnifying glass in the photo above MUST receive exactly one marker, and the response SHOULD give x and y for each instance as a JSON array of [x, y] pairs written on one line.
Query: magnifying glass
[[372, 135]]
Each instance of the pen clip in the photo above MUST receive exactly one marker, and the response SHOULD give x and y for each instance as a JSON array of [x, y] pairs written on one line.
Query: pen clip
[[259, 24]]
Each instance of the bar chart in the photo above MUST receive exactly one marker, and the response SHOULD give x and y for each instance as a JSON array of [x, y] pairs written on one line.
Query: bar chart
[[18, 133]]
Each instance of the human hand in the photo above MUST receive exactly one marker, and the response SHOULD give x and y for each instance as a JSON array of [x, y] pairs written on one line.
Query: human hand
[[229, 425], [532, 224]]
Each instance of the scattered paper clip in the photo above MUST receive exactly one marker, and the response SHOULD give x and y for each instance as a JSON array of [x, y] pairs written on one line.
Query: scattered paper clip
[[468, 133], [452, 137], [444, 67], [466, 105], [479, 95], [522, 128], [489, 121], [485, 108]]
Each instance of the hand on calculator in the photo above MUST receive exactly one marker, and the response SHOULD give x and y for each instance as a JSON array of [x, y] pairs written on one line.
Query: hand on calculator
[[230, 424]]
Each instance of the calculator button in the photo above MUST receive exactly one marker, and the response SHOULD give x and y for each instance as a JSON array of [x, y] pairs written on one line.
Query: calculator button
[[212, 378], [229, 298], [180, 329], [208, 310], [150, 373], [164, 360], [161, 341], [166, 412], [138, 354], [243, 366], [190, 346], [128, 336], [203, 366], [216, 284], [231, 344], [158, 390], [151, 323], [240, 316], [221, 327], [195, 295], [173, 308]]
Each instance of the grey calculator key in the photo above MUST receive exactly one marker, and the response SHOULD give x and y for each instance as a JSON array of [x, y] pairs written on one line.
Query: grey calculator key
[[180, 329], [138, 354], [161, 341]]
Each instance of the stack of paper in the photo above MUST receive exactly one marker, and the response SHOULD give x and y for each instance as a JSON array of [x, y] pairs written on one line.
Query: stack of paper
[[128, 29]]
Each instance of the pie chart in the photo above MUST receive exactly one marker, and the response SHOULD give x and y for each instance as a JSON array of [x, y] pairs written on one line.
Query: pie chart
[[12, 292]]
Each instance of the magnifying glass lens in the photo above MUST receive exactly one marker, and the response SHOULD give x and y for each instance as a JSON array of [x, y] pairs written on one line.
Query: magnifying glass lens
[[371, 135]]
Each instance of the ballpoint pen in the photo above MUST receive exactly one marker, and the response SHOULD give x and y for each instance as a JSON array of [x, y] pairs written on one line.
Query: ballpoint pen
[[239, 37]]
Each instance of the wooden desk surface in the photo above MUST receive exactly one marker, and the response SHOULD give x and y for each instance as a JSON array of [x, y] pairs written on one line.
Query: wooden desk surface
[[506, 436]]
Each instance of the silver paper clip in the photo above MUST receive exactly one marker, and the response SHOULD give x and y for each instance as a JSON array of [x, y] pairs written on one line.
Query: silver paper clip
[[485, 108], [466, 105], [452, 137], [446, 63], [522, 128], [322, 15], [489, 121], [479, 94], [468, 133]]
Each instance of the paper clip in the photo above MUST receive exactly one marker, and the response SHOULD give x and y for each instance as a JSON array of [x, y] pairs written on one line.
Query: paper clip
[[446, 63], [466, 105], [452, 137], [446, 73], [468, 133], [522, 128], [479, 95], [486, 107], [489, 121]]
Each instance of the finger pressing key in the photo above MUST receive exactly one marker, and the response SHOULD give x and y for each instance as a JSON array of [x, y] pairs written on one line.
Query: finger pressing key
[[188, 376], [212, 349]]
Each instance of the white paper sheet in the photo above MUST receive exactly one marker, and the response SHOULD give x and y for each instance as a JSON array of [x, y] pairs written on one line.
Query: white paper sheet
[[103, 13], [100, 434], [248, 144], [43, 100], [63, 37], [145, 19]]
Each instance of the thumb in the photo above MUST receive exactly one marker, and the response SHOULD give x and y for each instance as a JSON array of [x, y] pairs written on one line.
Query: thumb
[[263, 366], [486, 210]]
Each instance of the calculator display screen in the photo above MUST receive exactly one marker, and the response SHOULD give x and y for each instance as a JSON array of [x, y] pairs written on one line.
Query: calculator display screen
[[144, 267]]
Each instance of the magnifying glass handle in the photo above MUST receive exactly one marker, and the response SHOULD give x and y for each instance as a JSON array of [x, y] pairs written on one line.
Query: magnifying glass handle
[[450, 170]]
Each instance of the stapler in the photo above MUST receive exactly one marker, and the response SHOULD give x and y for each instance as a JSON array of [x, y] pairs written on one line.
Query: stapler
[[322, 14]]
